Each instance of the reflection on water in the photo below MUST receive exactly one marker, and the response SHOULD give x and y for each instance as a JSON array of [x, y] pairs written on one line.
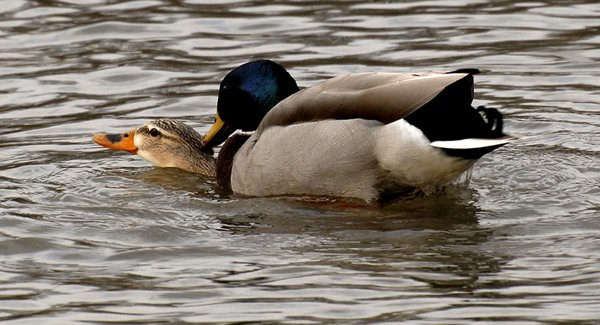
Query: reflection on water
[[89, 235]]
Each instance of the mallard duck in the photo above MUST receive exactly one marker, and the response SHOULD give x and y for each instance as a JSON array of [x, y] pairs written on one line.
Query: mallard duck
[[164, 143], [369, 136]]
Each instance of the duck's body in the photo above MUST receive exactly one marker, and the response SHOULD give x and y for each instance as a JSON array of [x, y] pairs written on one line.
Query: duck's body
[[368, 136], [357, 158]]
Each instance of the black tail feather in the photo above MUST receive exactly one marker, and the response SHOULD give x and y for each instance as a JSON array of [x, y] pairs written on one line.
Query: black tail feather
[[493, 119], [450, 116], [466, 70]]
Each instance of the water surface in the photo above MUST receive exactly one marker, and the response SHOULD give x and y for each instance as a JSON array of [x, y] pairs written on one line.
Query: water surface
[[93, 236]]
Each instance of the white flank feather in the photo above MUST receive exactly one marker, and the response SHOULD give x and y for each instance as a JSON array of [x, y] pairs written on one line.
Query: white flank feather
[[405, 152]]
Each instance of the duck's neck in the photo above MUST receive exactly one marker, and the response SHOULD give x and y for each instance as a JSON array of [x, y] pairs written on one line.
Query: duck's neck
[[225, 158], [200, 165], [192, 156]]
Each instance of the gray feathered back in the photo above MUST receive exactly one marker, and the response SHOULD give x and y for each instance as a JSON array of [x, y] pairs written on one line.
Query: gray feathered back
[[384, 97]]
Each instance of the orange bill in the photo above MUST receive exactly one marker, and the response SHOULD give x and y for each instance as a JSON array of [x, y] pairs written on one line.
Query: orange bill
[[123, 141]]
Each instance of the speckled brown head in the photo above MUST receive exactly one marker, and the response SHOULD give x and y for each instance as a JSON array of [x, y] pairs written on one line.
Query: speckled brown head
[[164, 143]]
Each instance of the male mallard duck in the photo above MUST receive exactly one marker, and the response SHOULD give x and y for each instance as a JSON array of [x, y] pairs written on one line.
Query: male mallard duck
[[367, 135]]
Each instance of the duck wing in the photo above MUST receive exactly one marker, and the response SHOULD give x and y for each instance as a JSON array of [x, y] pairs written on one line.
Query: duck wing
[[384, 97]]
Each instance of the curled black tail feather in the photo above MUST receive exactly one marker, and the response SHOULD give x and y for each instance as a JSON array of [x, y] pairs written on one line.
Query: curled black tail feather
[[493, 119]]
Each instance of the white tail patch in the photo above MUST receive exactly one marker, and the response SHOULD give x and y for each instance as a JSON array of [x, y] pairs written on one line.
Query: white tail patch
[[472, 143]]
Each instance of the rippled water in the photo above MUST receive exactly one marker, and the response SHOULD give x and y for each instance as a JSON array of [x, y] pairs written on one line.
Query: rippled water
[[93, 236]]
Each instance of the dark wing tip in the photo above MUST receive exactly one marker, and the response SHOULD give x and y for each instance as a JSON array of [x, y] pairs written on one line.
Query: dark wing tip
[[466, 70]]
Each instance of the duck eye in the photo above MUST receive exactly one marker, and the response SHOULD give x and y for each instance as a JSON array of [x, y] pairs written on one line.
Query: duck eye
[[154, 132]]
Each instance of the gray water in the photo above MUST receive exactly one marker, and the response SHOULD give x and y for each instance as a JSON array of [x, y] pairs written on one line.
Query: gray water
[[89, 235]]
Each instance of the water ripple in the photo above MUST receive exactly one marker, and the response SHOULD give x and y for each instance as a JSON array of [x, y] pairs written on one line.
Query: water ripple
[[90, 235]]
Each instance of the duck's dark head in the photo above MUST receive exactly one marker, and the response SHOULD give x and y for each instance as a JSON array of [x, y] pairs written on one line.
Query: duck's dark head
[[246, 95]]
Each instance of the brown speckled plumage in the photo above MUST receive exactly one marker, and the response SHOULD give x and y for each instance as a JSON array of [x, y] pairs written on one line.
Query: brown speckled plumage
[[171, 143]]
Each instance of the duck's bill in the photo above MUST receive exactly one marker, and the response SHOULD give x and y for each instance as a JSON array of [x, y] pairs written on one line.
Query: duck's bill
[[218, 133], [123, 141]]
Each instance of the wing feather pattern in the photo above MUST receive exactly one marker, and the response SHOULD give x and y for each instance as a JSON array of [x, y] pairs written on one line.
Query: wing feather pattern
[[384, 97]]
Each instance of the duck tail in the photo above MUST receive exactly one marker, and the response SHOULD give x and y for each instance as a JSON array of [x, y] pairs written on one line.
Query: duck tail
[[450, 122], [476, 147]]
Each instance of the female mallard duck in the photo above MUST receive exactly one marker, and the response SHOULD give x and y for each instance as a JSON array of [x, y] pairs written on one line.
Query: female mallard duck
[[164, 143], [366, 135]]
